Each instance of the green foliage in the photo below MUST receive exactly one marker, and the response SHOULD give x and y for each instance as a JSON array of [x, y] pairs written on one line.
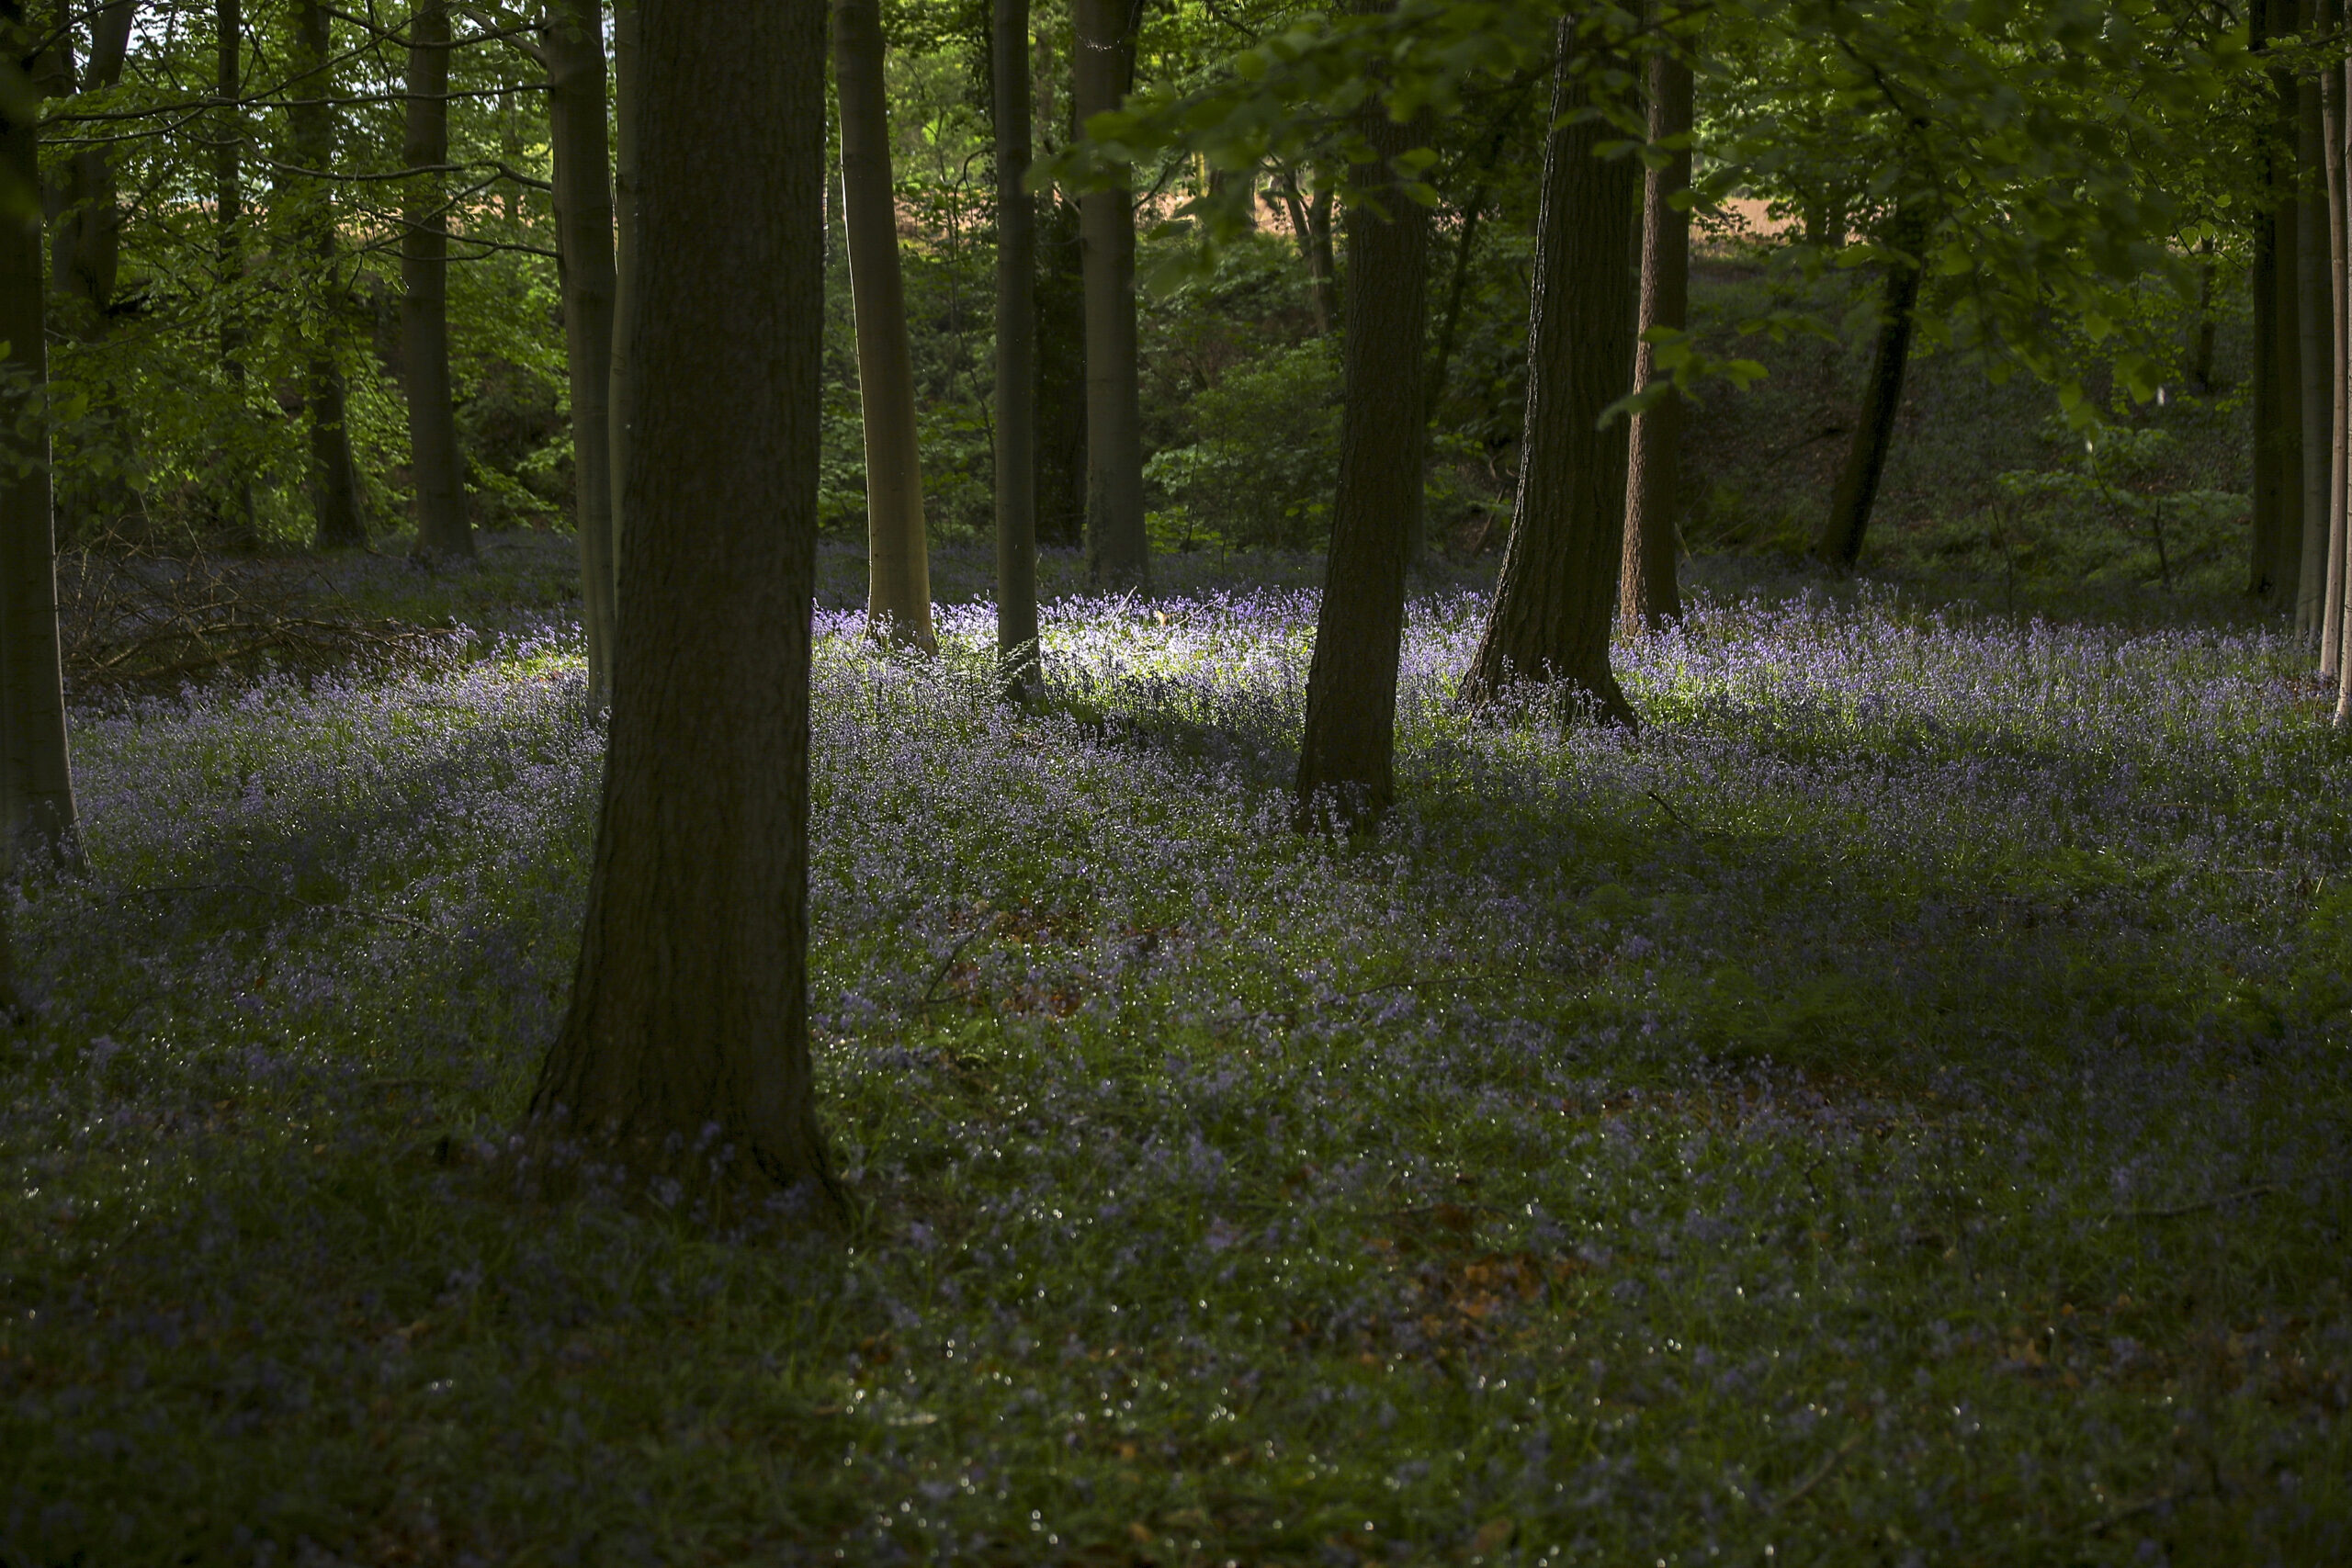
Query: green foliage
[[1261, 474]]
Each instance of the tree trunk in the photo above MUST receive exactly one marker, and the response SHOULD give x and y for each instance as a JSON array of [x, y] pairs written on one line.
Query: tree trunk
[[86, 246], [1346, 759], [1118, 553], [1061, 439], [2339, 243], [2286, 537], [37, 812], [1016, 355], [1647, 593], [1840, 544], [1302, 231], [2315, 356], [574, 41], [1552, 605], [229, 219], [334, 479], [685, 1053], [435, 464], [621, 416], [897, 549]]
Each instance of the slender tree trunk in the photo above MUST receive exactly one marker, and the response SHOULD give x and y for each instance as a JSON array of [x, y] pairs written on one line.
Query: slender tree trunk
[[1016, 355], [1553, 605], [510, 146], [229, 221], [572, 40], [2339, 242], [1117, 551], [621, 416], [897, 548], [2314, 355], [436, 465], [685, 1053], [1310, 257], [1322, 263], [334, 478], [2286, 537], [86, 243], [1647, 593], [2200, 357], [1840, 544], [1346, 759], [1060, 431], [37, 813]]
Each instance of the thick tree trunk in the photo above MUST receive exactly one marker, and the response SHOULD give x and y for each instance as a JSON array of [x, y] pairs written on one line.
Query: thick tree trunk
[[436, 468], [37, 812], [621, 416], [1346, 759], [897, 549], [229, 219], [1118, 553], [1555, 601], [1840, 544], [334, 479], [2315, 356], [86, 244], [1016, 354], [1647, 594], [685, 1053], [2339, 243], [1061, 436], [574, 43]]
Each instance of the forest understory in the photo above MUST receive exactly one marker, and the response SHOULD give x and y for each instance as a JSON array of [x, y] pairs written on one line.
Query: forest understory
[[1894, 1110]]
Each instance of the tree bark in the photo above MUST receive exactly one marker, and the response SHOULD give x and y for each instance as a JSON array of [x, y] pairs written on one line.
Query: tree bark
[[1347, 754], [334, 479], [1016, 355], [1647, 594], [86, 246], [572, 40], [621, 416], [1554, 602], [1310, 257], [685, 1053], [2339, 242], [435, 467], [2314, 355], [1060, 431], [1840, 544], [1322, 263], [1118, 553], [228, 229], [37, 813], [897, 548]]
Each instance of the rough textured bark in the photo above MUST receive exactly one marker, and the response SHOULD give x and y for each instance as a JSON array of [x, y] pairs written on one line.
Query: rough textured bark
[[2314, 316], [621, 416], [1117, 551], [685, 1053], [1346, 759], [898, 599], [334, 480], [86, 241], [228, 228], [1840, 544], [1555, 601], [1016, 357], [1647, 594], [573, 43], [1061, 439], [37, 811], [436, 468], [2339, 245]]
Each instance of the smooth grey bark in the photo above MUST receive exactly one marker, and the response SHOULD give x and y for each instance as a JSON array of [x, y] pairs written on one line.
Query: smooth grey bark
[[37, 810], [1016, 353], [621, 416], [2314, 315], [1119, 552], [1840, 542], [572, 45], [683, 1055], [897, 601], [334, 479], [1556, 597], [1347, 752], [2339, 243], [1647, 594], [229, 242], [436, 468]]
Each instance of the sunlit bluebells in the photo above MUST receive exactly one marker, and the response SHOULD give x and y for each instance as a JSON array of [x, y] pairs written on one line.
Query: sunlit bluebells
[[1893, 1109]]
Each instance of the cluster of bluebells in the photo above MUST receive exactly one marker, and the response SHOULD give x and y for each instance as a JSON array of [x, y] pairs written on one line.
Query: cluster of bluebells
[[1801, 1118]]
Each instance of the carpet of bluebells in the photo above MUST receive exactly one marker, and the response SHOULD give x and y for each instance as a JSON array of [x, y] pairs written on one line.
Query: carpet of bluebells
[[1896, 1110]]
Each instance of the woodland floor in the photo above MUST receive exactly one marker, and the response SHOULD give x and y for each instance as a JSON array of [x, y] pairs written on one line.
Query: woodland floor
[[1896, 1111]]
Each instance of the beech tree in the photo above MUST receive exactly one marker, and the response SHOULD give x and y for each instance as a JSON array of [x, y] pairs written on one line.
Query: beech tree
[[438, 470], [1552, 608], [1839, 543], [1647, 593], [1016, 351], [685, 1051], [898, 552], [1117, 551], [334, 482]]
